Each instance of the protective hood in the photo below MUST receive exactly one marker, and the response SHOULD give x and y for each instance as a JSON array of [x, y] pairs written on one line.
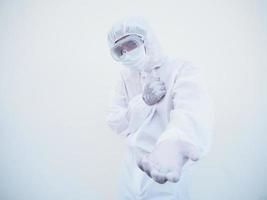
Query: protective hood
[[138, 26]]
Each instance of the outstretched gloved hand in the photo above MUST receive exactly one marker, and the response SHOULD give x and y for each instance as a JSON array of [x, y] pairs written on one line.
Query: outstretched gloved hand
[[166, 161], [154, 91]]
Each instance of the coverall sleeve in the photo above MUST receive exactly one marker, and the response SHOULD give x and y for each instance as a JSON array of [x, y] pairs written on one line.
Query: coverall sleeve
[[191, 118], [125, 115]]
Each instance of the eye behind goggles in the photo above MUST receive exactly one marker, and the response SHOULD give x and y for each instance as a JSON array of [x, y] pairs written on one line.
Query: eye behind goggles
[[125, 45]]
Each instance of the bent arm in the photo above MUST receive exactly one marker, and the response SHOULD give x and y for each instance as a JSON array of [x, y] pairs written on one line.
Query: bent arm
[[124, 116]]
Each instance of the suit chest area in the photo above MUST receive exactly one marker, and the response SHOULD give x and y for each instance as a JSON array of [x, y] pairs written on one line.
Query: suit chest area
[[135, 83]]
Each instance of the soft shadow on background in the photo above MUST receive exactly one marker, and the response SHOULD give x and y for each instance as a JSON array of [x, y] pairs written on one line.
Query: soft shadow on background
[[56, 73]]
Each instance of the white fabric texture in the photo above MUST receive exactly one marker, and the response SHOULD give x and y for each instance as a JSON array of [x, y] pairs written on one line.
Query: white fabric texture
[[185, 113], [138, 26]]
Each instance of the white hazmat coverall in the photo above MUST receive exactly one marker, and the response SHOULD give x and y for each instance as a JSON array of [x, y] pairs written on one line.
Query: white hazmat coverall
[[184, 113]]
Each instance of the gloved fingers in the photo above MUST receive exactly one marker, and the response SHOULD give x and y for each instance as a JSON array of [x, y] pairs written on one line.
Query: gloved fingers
[[145, 165], [173, 176], [160, 93], [160, 96], [140, 164], [159, 88], [143, 162], [158, 177], [149, 99], [192, 152], [162, 87], [193, 156]]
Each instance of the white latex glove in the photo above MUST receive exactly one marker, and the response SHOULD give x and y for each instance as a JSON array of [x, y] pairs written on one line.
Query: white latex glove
[[165, 162], [154, 91]]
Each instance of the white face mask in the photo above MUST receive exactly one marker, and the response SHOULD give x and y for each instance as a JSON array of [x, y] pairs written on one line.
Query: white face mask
[[135, 59]]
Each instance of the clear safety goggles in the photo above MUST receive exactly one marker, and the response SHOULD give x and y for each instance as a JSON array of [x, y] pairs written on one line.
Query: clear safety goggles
[[125, 45]]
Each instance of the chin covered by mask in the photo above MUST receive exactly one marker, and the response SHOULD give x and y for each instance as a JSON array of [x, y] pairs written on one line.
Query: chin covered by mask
[[135, 59]]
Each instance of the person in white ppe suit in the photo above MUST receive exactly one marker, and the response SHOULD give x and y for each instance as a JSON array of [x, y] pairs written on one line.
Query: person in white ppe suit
[[162, 109]]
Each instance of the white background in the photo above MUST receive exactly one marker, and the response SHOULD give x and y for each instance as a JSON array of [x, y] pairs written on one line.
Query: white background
[[56, 73]]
